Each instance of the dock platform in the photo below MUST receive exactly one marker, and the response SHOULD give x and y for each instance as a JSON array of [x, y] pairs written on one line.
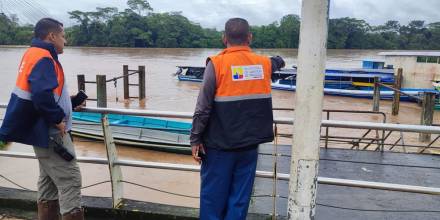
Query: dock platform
[[340, 202], [333, 202]]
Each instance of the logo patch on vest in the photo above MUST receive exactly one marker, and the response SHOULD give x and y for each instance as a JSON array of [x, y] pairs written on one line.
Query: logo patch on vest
[[252, 72]]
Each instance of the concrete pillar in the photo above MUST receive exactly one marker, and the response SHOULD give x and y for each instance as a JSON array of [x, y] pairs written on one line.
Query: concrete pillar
[[308, 112]]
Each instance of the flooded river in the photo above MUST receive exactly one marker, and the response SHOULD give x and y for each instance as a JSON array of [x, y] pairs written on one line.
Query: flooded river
[[164, 92]]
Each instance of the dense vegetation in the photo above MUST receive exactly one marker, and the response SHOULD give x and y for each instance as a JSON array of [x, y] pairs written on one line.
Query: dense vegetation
[[139, 26]]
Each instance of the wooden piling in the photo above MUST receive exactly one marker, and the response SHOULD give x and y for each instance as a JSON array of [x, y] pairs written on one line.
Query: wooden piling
[[396, 97], [142, 89], [101, 91], [81, 82], [376, 94], [428, 105], [126, 83]]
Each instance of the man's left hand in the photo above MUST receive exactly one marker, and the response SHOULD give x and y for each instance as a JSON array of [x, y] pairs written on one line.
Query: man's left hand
[[195, 152], [79, 107]]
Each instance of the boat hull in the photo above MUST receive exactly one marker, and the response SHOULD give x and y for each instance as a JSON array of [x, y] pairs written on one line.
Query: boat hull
[[137, 137], [361, 93], [137, 122], [338, 90]]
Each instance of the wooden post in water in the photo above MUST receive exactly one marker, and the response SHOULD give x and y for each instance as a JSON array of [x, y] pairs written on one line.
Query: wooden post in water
[[304, 164], [81, 82], [396, 97], [428, 105], [126, 83], [101, 91], [142, 90], [376, 94]]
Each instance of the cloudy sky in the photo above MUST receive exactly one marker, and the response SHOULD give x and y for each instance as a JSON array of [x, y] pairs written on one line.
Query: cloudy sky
[[213, 13]]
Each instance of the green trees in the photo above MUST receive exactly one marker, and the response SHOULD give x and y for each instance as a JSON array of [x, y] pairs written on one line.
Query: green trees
[[13, 34], [139, 26], [348, 33], [139, 6]]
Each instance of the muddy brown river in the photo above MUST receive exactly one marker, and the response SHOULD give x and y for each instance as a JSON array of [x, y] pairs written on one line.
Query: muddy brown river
[[165, 92]]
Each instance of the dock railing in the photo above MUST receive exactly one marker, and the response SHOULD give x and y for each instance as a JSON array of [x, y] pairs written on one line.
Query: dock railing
[[115, 163], [355, 140]]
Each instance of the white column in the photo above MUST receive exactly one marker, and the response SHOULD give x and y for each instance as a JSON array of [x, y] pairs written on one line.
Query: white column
[[308, 109]]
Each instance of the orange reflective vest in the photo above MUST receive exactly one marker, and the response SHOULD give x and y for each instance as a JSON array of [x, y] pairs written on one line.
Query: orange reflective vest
[[234, 84], [30, 59], [242, 112], [32, 109]]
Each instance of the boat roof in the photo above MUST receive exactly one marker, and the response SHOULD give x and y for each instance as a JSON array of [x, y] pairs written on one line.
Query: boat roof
[[410, 53], [188, 67], [344, 74], [361, 75], [373, 60], [357, 70]]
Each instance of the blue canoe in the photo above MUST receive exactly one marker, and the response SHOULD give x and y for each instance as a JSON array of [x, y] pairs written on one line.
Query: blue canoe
[[137, 122]]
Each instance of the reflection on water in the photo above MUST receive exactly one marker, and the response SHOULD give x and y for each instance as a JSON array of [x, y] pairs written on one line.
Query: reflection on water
[[165, 92]]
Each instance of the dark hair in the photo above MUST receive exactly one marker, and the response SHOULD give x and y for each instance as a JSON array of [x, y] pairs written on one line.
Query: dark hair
[[237, 30], [46, 26]]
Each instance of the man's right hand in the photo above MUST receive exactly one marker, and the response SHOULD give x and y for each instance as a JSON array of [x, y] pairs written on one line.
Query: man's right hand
[[195, 152], [62, 127]]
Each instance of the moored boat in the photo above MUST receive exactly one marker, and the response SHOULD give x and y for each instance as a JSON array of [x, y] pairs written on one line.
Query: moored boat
[[350, 82], [136, 122], [135, 136]]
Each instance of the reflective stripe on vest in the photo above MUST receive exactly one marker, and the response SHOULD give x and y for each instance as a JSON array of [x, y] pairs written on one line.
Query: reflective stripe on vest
[[232, 89], [22, 94], [30, 59]]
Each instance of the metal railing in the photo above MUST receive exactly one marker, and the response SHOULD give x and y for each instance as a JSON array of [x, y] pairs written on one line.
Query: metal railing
[[328, 138], [364, 140], [115, 163]]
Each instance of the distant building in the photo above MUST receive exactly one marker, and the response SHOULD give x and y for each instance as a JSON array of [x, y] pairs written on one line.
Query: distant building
[[420, 68]]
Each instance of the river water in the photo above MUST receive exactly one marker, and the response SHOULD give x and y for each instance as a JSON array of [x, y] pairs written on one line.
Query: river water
[[165, 92]]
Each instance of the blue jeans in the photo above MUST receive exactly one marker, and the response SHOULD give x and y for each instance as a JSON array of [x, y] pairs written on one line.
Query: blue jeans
[[227, 179]]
